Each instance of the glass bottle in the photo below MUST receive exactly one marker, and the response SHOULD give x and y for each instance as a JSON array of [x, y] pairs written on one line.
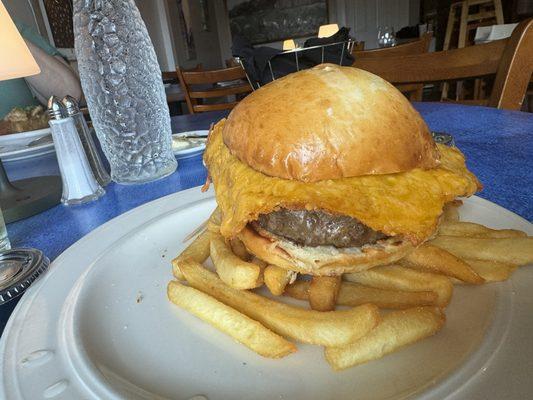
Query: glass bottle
[[122, 83]]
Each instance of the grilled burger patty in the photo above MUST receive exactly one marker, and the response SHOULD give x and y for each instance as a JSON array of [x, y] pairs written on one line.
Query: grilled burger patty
[[318, 228]]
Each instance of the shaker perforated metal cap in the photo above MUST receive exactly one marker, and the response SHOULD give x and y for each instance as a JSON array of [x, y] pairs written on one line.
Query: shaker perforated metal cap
[[18, 269]]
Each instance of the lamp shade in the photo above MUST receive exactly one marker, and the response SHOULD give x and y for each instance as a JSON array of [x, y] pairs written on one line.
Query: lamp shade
[[16, 60], [289, 44], [327, 30]]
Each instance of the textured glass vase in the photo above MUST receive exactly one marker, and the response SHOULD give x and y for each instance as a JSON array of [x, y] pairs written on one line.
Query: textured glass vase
[[121, 80]]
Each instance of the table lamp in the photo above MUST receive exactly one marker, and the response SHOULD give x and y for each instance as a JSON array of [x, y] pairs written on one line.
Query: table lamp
[[28, 196], [327, 30], [289, 44]]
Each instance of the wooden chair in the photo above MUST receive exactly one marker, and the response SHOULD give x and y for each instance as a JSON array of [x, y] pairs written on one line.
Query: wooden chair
[[489, 13], [173, 75], [509, 60], [199, 86], [419, 46]]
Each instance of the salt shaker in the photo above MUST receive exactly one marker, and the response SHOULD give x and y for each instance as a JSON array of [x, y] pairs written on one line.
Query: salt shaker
[[72, 110], [79, 183]]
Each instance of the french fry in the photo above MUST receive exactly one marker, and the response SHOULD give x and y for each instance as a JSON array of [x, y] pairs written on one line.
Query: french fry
[[397, 329], [333, 328], [451, 211], [470, 229], [259, 262], [517, 250], [228, 320], [492, 271], [276, 279], [353, 294], [323, 292], [198, 250], [434, 259], [394, 277], [231, 269], [238, 248], [214, 221]]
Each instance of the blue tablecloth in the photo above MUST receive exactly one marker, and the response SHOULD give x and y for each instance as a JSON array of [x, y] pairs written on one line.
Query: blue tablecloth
[[498, 146]]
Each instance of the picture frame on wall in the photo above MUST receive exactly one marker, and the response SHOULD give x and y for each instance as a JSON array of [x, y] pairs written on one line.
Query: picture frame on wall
[[267, 21]]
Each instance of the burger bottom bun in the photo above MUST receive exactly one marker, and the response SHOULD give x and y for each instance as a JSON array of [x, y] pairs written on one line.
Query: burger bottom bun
[[322, 260]]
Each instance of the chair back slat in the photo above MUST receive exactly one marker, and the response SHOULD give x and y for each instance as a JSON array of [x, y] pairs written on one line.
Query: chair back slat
[[215, 107], [220, 92], [214, 76], [205, 85], [473, 61], [418, 46]]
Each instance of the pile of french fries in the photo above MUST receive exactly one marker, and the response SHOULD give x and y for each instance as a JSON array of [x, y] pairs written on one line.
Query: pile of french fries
[[384, 308]]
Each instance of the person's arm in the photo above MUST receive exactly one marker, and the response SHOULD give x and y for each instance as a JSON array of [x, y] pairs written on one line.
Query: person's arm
[[56, 77]]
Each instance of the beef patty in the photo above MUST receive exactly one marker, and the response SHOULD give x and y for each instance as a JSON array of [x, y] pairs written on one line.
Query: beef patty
[[318, 228]]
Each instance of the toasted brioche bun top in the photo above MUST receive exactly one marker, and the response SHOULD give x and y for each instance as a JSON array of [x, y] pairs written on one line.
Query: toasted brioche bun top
[[329, 122]]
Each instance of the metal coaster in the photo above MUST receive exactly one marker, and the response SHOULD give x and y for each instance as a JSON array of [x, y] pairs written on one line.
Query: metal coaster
[[18, 269]]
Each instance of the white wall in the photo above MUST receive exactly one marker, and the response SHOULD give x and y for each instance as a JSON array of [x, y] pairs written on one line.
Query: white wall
[[207, 43], [154, 14], [364, 17]]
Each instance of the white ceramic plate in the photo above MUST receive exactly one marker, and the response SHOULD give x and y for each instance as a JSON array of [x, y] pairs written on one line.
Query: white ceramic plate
[[99, 326], [16, 146], [193, 147]]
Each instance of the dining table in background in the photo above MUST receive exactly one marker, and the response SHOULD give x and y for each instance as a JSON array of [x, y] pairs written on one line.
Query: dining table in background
[[498, 146]]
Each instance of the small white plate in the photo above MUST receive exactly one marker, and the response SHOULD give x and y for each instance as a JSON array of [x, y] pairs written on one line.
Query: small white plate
[[98, 325], [193, 147], [15, 146]]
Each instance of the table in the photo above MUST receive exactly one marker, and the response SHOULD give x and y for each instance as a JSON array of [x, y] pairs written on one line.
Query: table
[[498, 145]]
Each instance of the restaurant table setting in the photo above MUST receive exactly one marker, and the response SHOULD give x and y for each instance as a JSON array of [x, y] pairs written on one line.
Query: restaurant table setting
[[91, 304]]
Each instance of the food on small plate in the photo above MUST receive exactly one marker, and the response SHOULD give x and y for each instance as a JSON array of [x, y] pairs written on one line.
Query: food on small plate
[[187, 140], [24, 119], [330, 190]]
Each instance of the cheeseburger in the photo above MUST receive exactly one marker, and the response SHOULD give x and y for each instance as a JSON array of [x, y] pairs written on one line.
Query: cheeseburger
[[331, 170]]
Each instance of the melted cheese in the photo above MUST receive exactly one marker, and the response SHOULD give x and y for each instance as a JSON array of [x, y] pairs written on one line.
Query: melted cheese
[[407, 203]]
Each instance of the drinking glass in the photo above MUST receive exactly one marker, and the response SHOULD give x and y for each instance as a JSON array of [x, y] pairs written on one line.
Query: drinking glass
[[386, 36]]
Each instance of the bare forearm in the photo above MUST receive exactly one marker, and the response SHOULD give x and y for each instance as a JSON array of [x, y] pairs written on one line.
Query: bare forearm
[[56, 78]]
